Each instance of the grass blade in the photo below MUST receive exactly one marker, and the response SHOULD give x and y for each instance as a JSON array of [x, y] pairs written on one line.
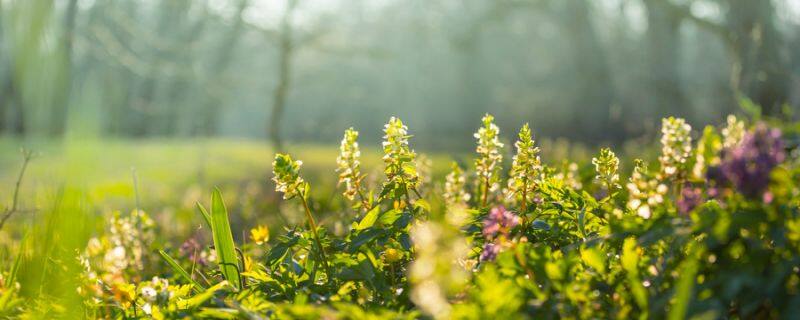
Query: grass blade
[[223, 240], [180, 270], [204, 213]]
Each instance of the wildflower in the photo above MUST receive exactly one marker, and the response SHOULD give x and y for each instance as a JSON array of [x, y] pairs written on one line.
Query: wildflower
[[733, 133], [748, 165], [287, 177], [689, 199], [644, 192], [123, 293], [489, 162], [349, 165], [676, 146], [260, 234], [490, 252], [499, 221], [606, 166], [392, 255], [568, 175], [193, 251], [399, 160], [454, 187], [526, 168]]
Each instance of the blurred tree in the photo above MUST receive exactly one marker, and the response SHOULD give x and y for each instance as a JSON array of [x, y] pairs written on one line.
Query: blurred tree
[[760, 69], [592, 92], [58, 118], [285, 56], [663, 60], [211, 106]]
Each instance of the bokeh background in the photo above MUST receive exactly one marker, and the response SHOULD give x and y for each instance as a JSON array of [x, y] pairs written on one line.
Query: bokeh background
[[152, 102], [593, 71]]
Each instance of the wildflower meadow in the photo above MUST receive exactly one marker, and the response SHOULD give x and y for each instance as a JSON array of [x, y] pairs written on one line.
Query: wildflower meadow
[[707, 228]]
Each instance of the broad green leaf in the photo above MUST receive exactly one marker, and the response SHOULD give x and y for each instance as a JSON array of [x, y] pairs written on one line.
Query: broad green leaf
[[363, 237], [369, 219], [223, 240], [594, 258], [421, 203], [685, 285], [389, 217], [177, 267], [630, 262]]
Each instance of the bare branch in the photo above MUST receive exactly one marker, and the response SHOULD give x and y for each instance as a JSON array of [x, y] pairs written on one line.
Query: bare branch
[[27, 155]]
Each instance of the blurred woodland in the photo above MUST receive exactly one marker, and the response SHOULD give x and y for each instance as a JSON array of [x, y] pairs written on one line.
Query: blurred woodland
[[302, 70]]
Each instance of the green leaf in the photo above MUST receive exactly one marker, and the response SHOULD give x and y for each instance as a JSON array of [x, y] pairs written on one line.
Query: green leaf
[[685, 285], [204, 213], [223, 240], [369, 219], [363, 237], [594, 258], [630, 263], [421, 203], [277, 252], [177, 267], [199, 299], [389, 217], [12, 275]]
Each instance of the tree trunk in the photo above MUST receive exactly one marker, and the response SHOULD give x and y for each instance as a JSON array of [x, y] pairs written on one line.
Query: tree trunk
[[593, 89], [284, 77], [760, 70], [663, 56], [209, 113], [58, 118]]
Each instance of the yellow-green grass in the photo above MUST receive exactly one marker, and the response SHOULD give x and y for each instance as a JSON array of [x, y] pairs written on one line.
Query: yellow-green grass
[[171, 175]]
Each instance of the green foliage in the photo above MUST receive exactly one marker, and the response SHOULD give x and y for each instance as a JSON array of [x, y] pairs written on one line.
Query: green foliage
[[223, 241], [568, 248]]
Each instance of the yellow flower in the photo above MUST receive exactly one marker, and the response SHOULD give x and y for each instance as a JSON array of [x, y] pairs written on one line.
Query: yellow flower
[[392, 255], [259, 234]]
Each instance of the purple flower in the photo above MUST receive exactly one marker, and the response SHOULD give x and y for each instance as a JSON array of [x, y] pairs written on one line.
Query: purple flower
[[747, 166], [499, 221], [490, 251], [689, 199], [192, 249]]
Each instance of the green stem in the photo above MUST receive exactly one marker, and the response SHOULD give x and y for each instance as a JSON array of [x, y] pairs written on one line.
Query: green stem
[[485, 191], [313, 226]]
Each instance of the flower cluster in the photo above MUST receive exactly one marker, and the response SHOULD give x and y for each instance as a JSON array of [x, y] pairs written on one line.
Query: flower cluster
[[644, 191], [606, 166], [569, 175], [349, 165], [748, 165], [195, 252], [676, 146], [488, 164], [399, 159], [496, 229], [455, 193], [155, 293], [733, 132], [526, 168], [690, 198], [121, 253], [112, 261], [287, 177]]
